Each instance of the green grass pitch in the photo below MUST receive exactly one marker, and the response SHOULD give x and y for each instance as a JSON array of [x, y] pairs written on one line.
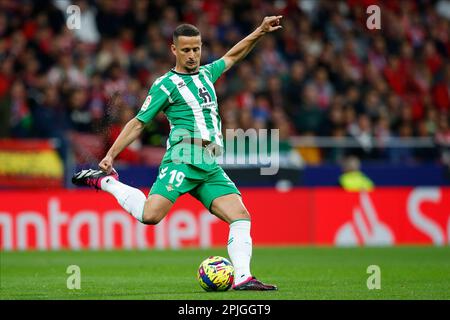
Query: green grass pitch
[[300, 273]]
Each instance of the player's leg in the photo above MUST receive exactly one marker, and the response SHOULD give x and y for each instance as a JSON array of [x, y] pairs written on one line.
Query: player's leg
[[147, 210], [156, 207], [129, 198], [174, 179], [231, 209], [219, 194]]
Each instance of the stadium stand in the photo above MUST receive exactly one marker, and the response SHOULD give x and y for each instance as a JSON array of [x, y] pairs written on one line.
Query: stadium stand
[[326, 79]]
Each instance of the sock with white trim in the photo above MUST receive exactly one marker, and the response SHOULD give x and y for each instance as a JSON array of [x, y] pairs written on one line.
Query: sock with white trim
[[240, 249], [131, 199]]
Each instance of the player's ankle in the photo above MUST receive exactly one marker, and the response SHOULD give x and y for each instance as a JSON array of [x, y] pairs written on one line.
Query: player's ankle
[[242, 279]]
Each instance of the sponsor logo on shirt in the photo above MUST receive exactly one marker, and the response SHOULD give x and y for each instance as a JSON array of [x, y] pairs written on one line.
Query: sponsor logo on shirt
[[204, 94]]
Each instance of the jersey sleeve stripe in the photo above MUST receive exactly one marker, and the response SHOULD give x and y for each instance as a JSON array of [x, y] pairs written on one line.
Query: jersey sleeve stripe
[[164, 89]]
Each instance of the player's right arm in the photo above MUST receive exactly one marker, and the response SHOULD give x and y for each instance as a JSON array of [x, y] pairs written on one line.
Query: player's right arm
[[157, 99], [129, 133]]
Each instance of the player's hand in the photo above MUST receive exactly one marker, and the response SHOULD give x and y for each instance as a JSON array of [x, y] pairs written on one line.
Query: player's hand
[[271, 24], [106, 164]]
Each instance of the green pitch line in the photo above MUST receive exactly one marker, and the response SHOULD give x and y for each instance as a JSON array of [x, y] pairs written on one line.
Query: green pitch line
[[299, 272]]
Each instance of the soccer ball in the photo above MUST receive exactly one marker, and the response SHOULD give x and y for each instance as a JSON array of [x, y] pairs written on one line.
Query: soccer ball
[[215, 274]]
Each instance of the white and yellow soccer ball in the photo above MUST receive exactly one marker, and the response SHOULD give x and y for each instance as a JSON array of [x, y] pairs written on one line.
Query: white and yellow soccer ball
[[215, 273]]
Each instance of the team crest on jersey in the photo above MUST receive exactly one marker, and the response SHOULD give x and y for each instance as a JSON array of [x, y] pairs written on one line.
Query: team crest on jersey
[[163, 172], [146, 103], [169, 187]]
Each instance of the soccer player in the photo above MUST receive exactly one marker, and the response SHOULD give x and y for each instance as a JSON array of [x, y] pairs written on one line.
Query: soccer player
[[187, 97]]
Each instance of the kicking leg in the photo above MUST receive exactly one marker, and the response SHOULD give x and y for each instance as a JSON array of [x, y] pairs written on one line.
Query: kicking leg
[[156, 207], [149, 210], [133, 200]]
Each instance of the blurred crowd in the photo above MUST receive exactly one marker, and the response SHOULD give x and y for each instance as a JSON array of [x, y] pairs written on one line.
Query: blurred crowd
[[324, 74]]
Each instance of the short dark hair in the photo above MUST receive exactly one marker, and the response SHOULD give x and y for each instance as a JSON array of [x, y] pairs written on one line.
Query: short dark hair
[[187, 30]]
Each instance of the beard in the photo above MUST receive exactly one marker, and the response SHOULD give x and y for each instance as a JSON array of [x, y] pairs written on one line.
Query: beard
[[191, 68]]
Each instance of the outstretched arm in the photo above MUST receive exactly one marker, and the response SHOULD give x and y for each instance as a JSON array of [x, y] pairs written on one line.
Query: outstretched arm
[[243, 47]]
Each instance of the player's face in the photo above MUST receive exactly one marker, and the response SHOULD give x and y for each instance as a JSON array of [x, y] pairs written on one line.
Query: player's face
[[188, 51]]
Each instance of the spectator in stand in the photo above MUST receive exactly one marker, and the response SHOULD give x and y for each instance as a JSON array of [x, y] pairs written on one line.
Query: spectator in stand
[[395, 75], [441, 91], [334, 117], [336, 154], [261, 111], [293, 85], [66, 71], [361, 131], [401, 155], [431, 57], [308, 117], [323, 88], [442, 138], [274, 92], [80, 117], [353, 179], [20, 116], [377, 54], [131, 153], [273, 62], [382, 135], [49, 111], [423, 154], [372, 105]]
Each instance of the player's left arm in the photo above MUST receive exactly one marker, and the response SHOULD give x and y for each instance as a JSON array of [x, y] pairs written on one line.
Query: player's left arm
[[243, 47]]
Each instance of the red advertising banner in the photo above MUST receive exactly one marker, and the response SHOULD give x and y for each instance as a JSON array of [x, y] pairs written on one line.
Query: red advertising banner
[[85, 219], [387, 216]]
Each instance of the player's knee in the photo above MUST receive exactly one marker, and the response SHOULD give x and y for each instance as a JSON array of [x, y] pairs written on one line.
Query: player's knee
[[241, 214], [151, 220], [151, 217], [245, 214]]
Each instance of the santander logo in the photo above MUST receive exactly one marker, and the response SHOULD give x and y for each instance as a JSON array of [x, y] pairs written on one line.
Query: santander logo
[[420, 221], [54, 225], [365, 228]]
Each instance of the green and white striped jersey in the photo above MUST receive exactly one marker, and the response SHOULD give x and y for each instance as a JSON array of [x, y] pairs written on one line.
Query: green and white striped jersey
[[189, 101]]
